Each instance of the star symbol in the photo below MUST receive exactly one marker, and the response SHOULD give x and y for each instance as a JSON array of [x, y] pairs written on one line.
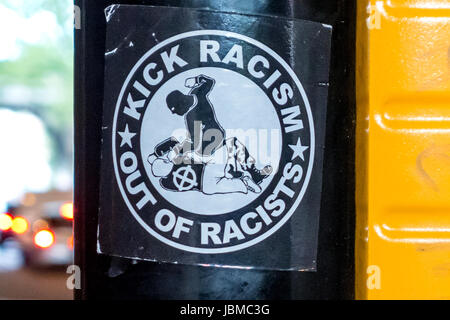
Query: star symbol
[[126, 137], [298, 150]]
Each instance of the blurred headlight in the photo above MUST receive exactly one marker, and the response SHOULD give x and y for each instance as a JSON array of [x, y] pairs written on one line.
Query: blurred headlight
[[6, 221], [19, 225], [44, 239], [66, 211]]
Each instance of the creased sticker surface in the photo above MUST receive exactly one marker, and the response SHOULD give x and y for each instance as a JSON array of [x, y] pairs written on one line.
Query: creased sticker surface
[[213, 133]]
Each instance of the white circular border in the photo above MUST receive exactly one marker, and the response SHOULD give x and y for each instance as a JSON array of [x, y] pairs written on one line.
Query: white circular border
[[312, 147]]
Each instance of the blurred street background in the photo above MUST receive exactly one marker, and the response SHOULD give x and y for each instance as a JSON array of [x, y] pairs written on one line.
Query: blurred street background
[[36, 148]]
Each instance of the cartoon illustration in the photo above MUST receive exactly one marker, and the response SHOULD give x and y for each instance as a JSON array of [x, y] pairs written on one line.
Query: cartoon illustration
[[180, 172], [189, 165]]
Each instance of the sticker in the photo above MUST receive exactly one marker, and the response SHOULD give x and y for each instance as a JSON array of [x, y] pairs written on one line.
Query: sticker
[[213, 140]]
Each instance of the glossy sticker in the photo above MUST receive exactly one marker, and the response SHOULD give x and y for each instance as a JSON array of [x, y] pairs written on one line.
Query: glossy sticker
[[213, 130]]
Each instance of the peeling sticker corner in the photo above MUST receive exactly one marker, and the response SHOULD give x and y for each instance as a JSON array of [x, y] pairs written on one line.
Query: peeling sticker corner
[[110, 10]]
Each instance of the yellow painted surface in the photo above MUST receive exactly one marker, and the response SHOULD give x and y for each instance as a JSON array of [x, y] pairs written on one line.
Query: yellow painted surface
[[403, 149]]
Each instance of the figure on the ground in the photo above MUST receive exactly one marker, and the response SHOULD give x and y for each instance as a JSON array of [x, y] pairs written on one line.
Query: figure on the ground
[[237, 174]]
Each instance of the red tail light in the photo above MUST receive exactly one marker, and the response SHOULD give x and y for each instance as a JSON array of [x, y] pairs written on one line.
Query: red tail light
[[70, 242]]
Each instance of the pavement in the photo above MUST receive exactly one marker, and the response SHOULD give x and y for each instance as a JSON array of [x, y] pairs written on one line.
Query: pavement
[[20, 282]]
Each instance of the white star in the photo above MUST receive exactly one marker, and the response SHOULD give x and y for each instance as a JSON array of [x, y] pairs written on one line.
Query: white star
[[298, 150], [126, 137]]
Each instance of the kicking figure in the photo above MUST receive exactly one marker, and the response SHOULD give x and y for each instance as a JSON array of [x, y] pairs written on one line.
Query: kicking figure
[[206, 134]]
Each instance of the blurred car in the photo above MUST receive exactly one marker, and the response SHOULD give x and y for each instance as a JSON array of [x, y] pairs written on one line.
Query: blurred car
[[42, 225]]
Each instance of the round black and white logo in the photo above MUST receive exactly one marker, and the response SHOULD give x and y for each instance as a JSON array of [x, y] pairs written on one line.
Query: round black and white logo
[[213, 141]]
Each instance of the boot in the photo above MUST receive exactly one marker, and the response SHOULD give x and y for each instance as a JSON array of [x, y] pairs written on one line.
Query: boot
[[259, 175]]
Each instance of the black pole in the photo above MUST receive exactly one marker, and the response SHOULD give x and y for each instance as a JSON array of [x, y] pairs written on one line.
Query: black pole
[[108, 277]]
